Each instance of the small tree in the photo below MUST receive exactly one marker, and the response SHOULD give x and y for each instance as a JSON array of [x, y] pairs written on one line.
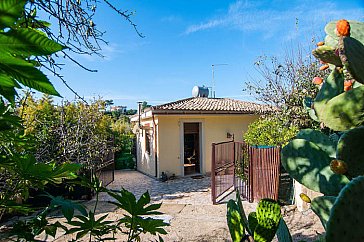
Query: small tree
[[284, 83]]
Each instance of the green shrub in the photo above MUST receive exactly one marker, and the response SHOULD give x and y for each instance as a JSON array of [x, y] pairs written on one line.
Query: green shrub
[[73, 131], [269, 131], [123, 135], [124, 161]]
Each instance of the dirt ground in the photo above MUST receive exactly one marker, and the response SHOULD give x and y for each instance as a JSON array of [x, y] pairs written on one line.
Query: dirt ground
[[208, 223]]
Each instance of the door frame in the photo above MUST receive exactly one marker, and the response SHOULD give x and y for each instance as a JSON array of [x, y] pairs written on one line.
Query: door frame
[[201, 143]]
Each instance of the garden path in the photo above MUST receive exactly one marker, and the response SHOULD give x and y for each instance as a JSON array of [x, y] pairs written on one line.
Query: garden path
[[184, 190], [187, 207]]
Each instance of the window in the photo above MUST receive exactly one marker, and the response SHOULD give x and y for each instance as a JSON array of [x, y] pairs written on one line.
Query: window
[[147, 141]]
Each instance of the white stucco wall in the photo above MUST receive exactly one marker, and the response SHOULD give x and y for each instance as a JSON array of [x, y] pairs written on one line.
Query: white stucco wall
[[214, 128]]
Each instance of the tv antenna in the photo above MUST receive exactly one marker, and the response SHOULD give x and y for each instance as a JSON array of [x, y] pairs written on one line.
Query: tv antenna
[[213, 92]]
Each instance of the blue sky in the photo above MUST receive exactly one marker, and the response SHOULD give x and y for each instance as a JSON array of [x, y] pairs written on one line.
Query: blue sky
[[184, 38]]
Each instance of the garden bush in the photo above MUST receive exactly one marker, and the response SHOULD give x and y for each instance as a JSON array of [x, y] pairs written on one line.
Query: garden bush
[[124, 161], [269, 131], [73, 131]]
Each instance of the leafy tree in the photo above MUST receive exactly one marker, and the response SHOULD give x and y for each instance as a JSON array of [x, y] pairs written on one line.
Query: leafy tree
[[19, 170], [73, 131], [145, 105], [74, 27], [284, 83], [23, 45], [131, 111]]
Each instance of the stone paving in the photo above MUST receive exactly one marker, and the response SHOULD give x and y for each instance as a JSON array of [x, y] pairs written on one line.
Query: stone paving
[[184, 190], [187, 207]]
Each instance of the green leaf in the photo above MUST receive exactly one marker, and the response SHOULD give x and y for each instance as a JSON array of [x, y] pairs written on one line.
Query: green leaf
[[68, 207], [13, 206], [151, 225], [28, 42], [8, 120], [51, 230], [143, 200], [25, 73], [29, 169], [6, 81], [9, 93], [125, 200], [10, 11], [151, 209], [88, 224]]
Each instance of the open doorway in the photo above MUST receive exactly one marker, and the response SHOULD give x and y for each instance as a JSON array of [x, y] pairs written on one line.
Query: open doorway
[[191, 136]]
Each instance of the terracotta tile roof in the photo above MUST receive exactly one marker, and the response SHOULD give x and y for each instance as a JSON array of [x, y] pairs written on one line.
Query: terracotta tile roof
[[212, 105]]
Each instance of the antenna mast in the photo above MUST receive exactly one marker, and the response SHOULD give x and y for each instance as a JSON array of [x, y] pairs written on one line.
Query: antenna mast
[[213, 92]]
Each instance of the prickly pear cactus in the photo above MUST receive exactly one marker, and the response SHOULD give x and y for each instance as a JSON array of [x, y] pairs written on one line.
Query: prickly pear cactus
[[268, 217], [316, 160], [321, 140], [261, 225], [310, 165], [351, 150], [345, 222], [283, 233], [234, 221], [321, 206]]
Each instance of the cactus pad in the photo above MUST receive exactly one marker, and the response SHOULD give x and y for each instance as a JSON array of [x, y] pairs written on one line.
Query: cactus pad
[[344, 111], [268, 216], [331, 41], [350, 149], [283, 234], [310, 166], [320, 139], [321, 206], [346, 217], [332, 87], [354, 52], [253, 221], [307, 104], [327, 54], [356, 30], [234, 221], [242, 213]]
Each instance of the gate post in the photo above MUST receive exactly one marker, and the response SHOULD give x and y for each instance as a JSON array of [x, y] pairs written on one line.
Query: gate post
[[251, 173], [234, 160], [213, 188]]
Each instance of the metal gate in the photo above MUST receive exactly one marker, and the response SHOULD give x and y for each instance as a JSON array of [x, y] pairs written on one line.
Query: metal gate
[[253, 171], [105, 171]]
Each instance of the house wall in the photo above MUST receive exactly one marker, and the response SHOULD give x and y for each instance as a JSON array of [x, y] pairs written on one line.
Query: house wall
[[213, 129], [146, 160]]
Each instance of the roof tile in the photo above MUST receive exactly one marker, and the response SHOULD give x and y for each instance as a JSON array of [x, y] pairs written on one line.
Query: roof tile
[[204, 104]]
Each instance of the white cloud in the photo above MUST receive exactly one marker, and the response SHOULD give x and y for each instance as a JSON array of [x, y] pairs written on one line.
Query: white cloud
[[289, 23], [203, 26]]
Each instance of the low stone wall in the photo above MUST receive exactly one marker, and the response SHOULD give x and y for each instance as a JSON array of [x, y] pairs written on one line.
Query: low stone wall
[[298, 189]]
